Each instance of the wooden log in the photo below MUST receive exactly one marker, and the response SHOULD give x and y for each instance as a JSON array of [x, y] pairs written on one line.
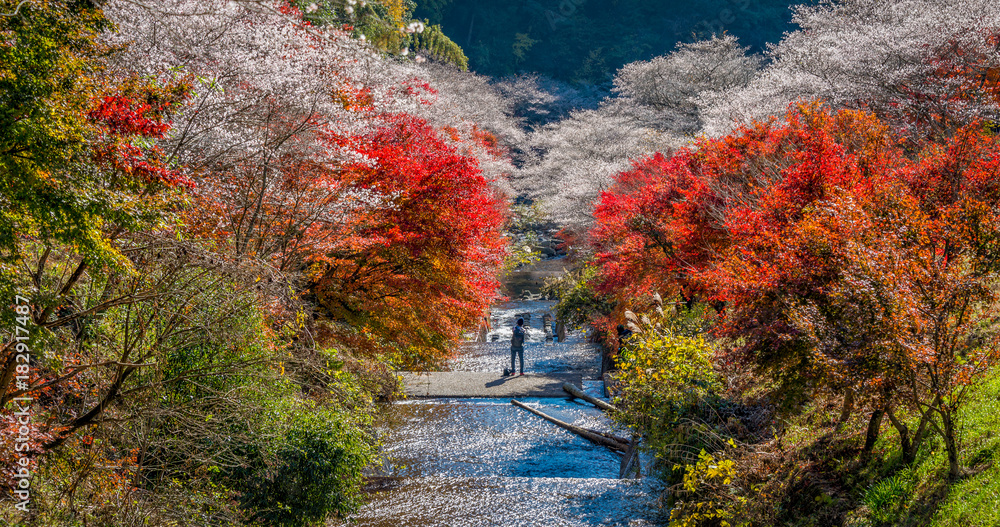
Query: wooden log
[[630, 462], [576, 392], [593, 436]]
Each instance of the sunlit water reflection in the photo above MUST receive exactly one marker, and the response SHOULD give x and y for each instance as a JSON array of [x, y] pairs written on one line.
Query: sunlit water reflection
[[542, 502], [491, 437], [485, 462]]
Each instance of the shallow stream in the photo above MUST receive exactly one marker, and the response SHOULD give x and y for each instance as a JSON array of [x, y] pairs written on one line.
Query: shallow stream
[[485, 462]]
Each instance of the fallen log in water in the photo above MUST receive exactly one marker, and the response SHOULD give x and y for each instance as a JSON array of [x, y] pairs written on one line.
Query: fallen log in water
[[630, 462], [600, 438], [576, 392]]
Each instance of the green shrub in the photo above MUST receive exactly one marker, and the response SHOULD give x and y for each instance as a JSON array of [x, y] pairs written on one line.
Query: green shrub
[[707, 495], [662, 377], [315, 470], [579, 301]]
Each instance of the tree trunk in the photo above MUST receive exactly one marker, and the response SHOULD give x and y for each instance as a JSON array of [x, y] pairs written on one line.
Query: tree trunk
[[95, 412], [617, 444], [847, 409], [874, 424], [630, 462], [576, 392], [909, 452], [951, 445]]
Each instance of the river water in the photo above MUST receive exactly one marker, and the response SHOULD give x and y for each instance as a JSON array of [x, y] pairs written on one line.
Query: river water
[[485, 462]]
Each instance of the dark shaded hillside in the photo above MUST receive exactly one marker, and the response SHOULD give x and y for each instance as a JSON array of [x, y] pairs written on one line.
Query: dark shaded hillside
[[588, 40]]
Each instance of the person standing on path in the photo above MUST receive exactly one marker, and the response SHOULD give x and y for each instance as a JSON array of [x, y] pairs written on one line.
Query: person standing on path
[[517, 345]]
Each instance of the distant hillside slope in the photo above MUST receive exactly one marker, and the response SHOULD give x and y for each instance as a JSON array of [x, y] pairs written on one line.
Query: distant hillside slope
[[587, 40]]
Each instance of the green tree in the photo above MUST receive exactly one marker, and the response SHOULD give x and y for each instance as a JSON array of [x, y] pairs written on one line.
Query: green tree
[[49, 58], [663, 376], [433, 42], [75, 165], [387, 24]]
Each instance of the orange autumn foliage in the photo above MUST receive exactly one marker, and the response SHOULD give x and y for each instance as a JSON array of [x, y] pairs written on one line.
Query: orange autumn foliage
[[838, 261]]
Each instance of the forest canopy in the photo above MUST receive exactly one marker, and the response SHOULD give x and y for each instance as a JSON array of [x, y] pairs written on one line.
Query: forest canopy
[[588, 40]]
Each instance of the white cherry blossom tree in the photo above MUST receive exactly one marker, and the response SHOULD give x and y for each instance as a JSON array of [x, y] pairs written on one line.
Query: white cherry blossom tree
[[663, 91], [895, 57]]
